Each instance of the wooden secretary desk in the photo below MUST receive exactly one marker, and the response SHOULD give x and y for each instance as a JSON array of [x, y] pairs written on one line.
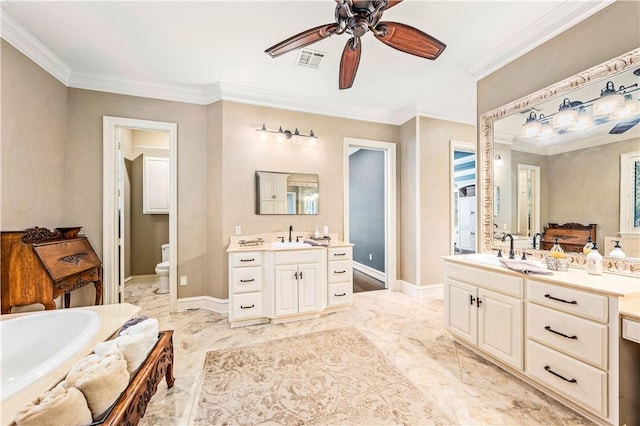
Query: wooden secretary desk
[[39, 265]]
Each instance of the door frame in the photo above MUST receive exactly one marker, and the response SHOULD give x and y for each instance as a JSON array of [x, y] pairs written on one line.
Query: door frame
[[390, 231], [535, 171], [110, 247], [454, 146]]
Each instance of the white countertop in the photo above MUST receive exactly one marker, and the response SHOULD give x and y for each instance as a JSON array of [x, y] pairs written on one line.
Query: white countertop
[[606, 284], [112, 316], [630, 307], [274, 237]]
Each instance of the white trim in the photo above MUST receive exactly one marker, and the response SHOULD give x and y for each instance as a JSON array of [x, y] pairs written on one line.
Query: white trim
[[391, 245], [555, 22], [420, 292], [209, 303], [627, 161], [373, 273], [110, 207], [455, 145], [537, 225], [142, 279], [417, 198]]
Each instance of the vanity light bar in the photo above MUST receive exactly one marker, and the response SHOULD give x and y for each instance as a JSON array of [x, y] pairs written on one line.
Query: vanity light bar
[[287, 134]]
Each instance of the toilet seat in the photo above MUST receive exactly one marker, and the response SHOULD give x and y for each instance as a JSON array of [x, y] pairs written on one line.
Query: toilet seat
[[162, 266]]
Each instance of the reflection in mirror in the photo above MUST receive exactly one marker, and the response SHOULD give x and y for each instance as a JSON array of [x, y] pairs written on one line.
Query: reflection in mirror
[[286, 193], [579, 170]]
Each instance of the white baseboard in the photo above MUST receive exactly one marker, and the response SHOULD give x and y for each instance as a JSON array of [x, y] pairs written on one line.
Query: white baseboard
[[419, 292], [370, 271], [209, 303], [142, 279]]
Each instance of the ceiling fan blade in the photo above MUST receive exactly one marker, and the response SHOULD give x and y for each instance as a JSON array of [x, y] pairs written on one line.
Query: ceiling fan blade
[[391, 3], [305, 38], [409, 40], [624, 125], [349, 62]]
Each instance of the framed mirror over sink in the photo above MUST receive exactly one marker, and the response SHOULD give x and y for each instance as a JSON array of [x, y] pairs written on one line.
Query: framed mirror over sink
[[577, 149]]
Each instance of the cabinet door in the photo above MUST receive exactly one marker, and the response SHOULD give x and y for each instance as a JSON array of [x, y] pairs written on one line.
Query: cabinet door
[[309, 288], [286, 290], [500, 327], [155, 186], [467, 239], [460, 310], [466, 212]]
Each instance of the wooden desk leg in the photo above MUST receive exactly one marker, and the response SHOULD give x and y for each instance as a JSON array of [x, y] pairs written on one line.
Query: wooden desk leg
[[169, 375], [98, 285], [67, 300]]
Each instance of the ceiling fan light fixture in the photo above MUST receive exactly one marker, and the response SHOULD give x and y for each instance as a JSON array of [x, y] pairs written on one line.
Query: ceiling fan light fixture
[[609, 102]]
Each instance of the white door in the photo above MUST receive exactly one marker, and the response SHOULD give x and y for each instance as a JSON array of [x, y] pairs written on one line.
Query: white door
[[286, 290], [309, 290], [500, 326], [460, 310]]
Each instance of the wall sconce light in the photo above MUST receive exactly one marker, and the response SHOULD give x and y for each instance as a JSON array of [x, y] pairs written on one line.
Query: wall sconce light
[[284, 135], [584, 120], [631, 107], [497, 161], [609, 102], [532, 127], [567, 115]]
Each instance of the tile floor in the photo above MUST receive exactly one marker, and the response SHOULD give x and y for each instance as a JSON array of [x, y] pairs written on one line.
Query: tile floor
[[407, 330]]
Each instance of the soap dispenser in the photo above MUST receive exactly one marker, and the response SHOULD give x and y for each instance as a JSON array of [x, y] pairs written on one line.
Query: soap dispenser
[[617, 251], [316, 233], [556, 251], [594, 261], [587, 247]]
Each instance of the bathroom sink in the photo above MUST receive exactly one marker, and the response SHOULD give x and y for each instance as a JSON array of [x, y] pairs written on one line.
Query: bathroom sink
[[293, 244], [483, 258], [34, 345]]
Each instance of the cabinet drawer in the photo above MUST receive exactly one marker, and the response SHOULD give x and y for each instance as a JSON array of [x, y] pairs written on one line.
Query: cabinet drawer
[[340, 271], [575, 336], [585, 384], [247, 305], [569, 300], [246, 280], [246, 259], [631, 330], [502, 283], [339, 253], [292, 257], [340, 294]]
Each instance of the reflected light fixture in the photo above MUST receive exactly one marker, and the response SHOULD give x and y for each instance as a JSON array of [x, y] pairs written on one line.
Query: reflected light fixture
[[567, 115], [609, 102], [584, 120], [546, 130], [497, 160], [285, 135], [631, 107], [532, 127]]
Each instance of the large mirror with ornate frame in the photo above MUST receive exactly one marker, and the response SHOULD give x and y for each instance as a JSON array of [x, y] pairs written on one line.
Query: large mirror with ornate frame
[[542, 179]]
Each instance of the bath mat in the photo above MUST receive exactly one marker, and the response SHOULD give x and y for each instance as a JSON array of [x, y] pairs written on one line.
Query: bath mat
[[327, 377]]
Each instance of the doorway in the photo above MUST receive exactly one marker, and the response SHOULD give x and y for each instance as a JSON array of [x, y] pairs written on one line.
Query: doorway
[[115, 227], [463, 197], [372, 229], [528, 202]]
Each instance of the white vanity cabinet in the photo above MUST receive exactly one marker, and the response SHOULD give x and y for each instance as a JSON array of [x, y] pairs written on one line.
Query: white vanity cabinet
[[245, 286], [298, 282], [340, 276], [486, 313]]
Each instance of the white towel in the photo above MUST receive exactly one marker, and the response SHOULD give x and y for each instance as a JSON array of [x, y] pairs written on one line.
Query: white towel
[[57, 407], [101, 382], [524, 266], [135, 349], [148, 327]]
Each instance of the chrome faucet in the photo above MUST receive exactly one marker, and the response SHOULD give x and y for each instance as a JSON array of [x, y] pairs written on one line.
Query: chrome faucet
[[512, 254], [290, 232], [534, 240]]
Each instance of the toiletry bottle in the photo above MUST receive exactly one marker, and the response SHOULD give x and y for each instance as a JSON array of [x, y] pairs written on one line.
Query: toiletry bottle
[[316, 233], [587, 247], [617, 251], [594, 261], [556, 251], [325, 231]]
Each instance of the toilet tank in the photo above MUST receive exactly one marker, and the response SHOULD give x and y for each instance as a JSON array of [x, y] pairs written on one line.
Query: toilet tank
[[165, 252]]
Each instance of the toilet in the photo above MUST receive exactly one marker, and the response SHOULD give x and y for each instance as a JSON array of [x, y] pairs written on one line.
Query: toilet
[[162, 270]]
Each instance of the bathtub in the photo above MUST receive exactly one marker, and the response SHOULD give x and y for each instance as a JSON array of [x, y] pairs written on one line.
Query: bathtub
[[36, 344]]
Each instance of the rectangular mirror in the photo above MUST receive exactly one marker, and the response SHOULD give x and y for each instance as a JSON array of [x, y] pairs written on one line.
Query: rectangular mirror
[[286, 193]]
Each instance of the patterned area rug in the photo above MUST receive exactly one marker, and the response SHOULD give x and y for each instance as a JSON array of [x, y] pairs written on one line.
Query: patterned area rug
[[328, 377]]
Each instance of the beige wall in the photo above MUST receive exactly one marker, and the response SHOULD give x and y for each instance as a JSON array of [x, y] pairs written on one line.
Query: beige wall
[[34, 145], [435, 191]]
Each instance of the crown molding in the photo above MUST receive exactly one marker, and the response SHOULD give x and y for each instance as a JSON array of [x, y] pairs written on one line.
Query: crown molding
[[560, 19], [18, 36]]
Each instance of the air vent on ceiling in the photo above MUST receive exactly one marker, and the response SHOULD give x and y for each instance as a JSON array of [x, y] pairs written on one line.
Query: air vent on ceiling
[[310, 58]]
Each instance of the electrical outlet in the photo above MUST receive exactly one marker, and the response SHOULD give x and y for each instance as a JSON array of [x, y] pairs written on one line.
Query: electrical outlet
[[183, 280], [238, 230], [370, 256]]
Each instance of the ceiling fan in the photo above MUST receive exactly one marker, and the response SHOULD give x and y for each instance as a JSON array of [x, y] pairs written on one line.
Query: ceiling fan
[[357, 17]]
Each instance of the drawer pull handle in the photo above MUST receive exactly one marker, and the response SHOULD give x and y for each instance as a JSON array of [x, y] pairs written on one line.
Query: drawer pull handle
[[548, 328], [248, 281], [546, 367], [247, 307], [247, 260], [339, 254], [339, 272], [340, 295], [548, 296]]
